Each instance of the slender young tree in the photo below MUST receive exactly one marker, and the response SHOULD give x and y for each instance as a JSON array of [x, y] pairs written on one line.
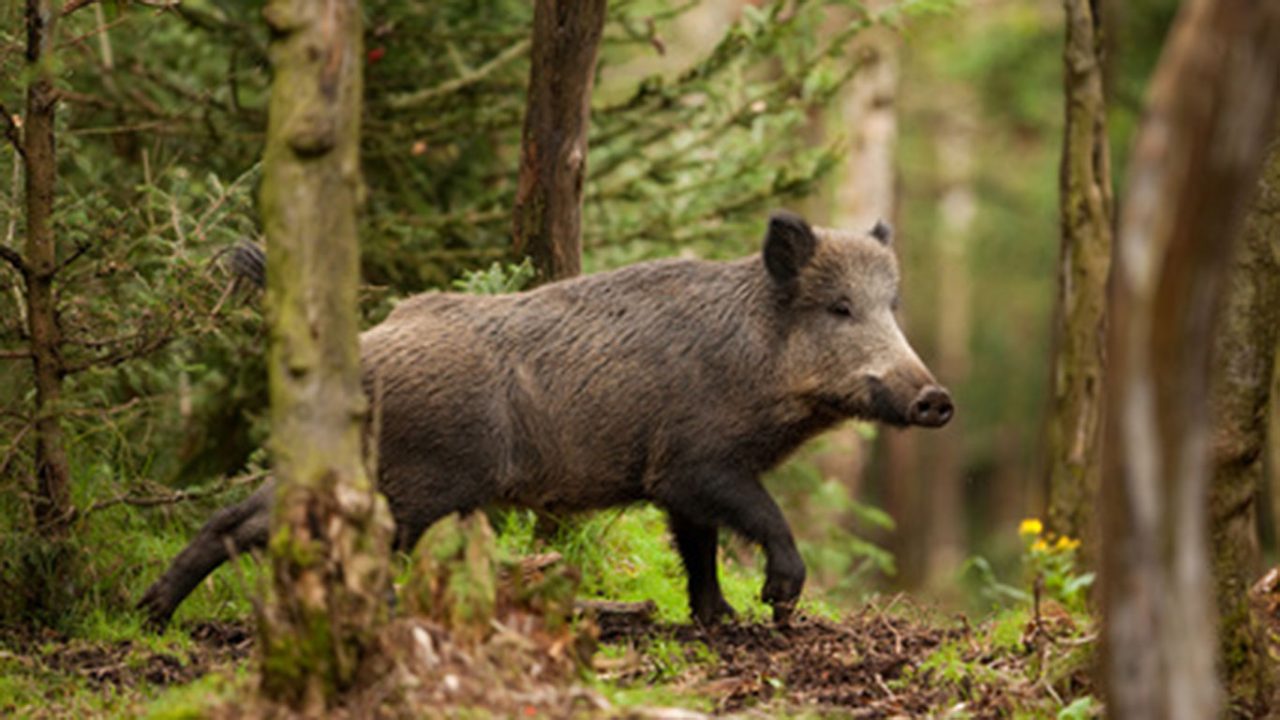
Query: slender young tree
[[1086, 213], [330, 529], [1244, 357], [547, 223], [38, 265], [1209, 112]]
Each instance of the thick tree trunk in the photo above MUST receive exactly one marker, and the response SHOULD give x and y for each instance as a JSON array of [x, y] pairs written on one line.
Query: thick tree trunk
[[330, 530], [547, 224], [1195, 162], [1074, 426], [53, 490], [1244, 359]]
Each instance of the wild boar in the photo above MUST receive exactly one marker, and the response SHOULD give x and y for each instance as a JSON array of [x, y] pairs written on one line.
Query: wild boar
[[676, 382]]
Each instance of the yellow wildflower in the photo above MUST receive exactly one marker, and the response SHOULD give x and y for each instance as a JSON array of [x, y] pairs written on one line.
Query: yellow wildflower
[[1066, 543], [1040, 545], [1030, 527]]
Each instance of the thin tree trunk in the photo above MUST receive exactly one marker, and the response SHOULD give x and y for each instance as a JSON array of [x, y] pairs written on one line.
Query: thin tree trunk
[[864, 192], [330, 530], [1195, 162], [53, 491], [1244, 359], [547, 223], [1074, 428], [946, 529]]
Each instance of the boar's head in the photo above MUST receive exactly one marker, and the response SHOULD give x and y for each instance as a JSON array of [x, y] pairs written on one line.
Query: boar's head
[[836, 294]]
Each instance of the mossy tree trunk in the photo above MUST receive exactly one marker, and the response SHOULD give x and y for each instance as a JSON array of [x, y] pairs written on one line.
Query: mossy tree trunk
[[547, 224], [39, 266], [1244, 358], [1074, 427], [1209, 113], [330, 530]]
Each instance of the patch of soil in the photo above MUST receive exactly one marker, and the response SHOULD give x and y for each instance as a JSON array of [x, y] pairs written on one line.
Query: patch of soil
[[855, 668], [127, 664]]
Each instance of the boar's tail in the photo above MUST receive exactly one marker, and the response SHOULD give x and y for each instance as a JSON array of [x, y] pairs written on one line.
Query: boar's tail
[[248, 262]]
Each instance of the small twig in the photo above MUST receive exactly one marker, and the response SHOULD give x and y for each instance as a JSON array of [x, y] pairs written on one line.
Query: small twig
[[420, 97], [15, 354], [14, 445], [81, 249]]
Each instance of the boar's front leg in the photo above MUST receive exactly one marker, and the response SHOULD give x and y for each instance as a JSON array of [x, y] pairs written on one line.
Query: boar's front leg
[[697, 545], [739, 501]]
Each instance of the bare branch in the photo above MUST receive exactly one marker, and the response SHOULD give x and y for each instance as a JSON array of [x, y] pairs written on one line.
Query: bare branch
[[421, 97], [178, 496], [12, 257], [81, 249], [71, 6], [15, 354]]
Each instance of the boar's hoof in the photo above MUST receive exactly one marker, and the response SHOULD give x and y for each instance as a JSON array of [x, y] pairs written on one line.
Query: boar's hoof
[[156, 607], [713, 613], [931, 408], [782, 612], [782, 589]]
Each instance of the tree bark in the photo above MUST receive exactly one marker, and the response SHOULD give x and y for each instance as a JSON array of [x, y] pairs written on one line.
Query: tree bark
[[53, 489], [330, 529], [547, 223], [1244, 357], [1209, 111], [1074, 427]]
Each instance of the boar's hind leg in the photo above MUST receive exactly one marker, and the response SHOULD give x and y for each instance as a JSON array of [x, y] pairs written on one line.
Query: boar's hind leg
[[237, 528], [740, 502], [697, 546]]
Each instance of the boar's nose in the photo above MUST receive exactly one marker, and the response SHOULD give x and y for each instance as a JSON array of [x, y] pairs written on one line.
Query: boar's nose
[[931, 408]]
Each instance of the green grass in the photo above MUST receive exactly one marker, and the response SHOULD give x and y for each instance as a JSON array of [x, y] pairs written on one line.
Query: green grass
[[628, 555]]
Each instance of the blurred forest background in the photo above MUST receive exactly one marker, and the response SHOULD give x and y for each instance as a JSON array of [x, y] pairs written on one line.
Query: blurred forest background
[[943, 117]]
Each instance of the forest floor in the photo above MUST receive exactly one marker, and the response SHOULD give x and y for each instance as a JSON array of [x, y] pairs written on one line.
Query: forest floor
[[888, 660]]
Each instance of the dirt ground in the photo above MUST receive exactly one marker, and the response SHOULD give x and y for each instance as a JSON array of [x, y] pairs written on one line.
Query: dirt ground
[[870, 665]]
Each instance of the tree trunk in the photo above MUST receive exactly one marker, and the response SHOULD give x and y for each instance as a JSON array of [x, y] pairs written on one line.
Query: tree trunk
[[547, 224], [945, 472], [1244, 357], [1195, 162], [864, 192], [330, 530], [53, 491], [1074, 427]]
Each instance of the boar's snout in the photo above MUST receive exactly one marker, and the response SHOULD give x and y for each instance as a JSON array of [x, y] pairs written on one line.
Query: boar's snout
[[931, 408]]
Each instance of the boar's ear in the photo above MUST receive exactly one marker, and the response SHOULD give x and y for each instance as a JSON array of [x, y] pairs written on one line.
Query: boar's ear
[[788, 246], [882, 232]]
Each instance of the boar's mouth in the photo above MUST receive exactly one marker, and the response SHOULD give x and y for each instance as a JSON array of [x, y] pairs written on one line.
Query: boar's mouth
[[876, 402]]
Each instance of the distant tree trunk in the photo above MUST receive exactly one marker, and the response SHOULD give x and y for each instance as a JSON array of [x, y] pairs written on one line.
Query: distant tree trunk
[[1196, 159], [547, 223], [1074, 428], [945, 471], [53, 488], [864, 192], [330, 530], [1244, 359]]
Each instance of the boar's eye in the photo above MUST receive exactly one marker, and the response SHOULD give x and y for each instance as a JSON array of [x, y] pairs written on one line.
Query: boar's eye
[[841, 308]]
